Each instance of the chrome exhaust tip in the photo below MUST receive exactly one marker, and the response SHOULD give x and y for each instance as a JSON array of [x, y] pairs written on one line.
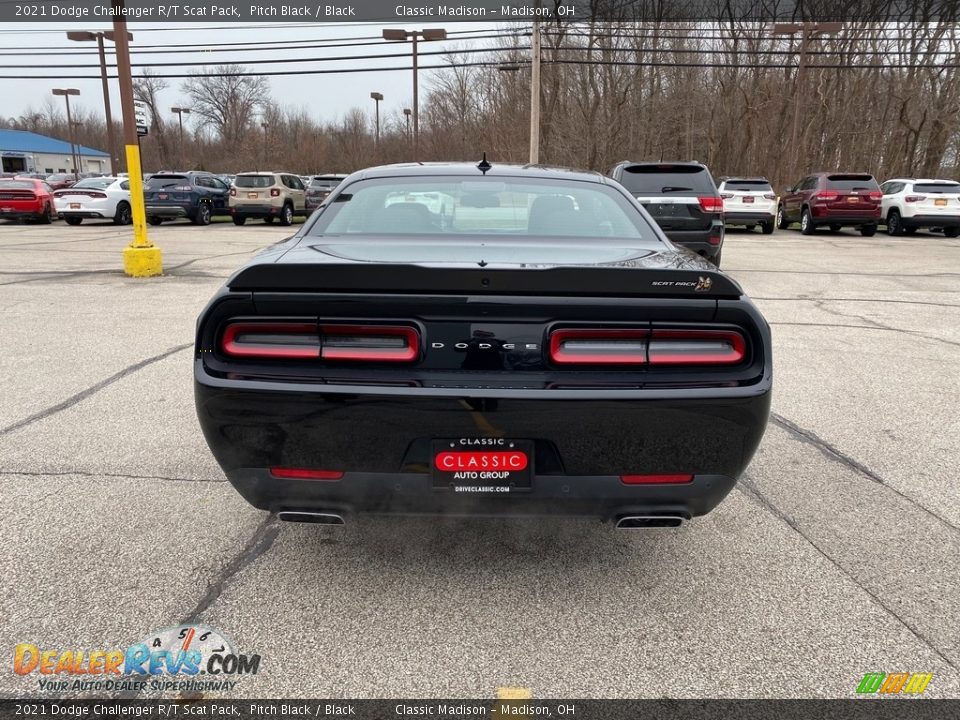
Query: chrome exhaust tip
[[649, 522], [302, 516]]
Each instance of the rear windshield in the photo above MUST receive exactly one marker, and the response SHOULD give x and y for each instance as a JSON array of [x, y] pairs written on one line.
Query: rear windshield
[[748, 185], [662, 179], [852, 182], [936, 187], [253, 181], [16, 185], [162, 182], [96, 183], [458, 207]]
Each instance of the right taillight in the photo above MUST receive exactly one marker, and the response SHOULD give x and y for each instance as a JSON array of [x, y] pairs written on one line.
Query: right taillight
[[626, 347], [599, 347], [696, 347], [275, 192]]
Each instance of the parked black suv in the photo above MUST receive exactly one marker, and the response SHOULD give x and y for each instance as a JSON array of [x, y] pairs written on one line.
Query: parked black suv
[[682, 198], [194, 195]]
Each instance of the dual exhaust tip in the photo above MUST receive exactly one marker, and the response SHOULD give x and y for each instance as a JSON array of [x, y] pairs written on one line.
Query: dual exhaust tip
[[625, 522]]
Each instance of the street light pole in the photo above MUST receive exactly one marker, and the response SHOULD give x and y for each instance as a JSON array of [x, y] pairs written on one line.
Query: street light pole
[[807, 32], [83, 36], [66, 93], [180, 111], [265, 125], [377, 97], [415, 35], [141, 258], [535, 93]]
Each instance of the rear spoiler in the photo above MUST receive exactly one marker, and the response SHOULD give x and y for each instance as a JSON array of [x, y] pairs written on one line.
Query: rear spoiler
[[420, 279]]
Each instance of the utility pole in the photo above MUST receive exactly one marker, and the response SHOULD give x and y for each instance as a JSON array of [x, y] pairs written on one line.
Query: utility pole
[[265, 126], [807, 31], [535, 93], [66, 93], [141, 258]]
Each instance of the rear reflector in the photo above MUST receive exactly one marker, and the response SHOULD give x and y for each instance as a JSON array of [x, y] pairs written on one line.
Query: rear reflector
[[696, 347], [290, 341], [289, 473], [599, 347], [670, 479], [378, 343], [582, 346], [308, 341]]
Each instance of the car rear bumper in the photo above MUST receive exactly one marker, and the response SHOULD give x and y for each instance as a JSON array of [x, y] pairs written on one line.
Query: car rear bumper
[[603, 497], [834, 217], [167, 211], [737, 217], [81, 214], [931, 221], [254, 210], [381, 438], [21, 212]]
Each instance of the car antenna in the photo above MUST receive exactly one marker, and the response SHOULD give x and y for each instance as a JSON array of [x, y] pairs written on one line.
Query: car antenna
[[483, 166]]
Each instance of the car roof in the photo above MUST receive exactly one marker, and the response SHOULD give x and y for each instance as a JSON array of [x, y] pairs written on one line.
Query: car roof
[[654, 163], [465, 168], [923, 180]]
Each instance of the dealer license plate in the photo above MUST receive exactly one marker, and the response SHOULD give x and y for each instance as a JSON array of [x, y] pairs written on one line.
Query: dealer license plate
[[941, 201], [252, 196], [853, 199], [748, 199], [482, 465], [74, 206]]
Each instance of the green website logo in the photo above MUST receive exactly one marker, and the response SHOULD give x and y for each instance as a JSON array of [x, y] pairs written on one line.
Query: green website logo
[[902, 683]]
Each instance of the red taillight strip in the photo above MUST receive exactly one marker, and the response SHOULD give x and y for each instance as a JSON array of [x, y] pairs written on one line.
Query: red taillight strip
[[657, 479], [563, 347], [234, 345], [294, 473], [409, 351], [721, 347]]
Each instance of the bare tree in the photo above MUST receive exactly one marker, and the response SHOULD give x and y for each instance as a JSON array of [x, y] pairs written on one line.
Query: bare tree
[[227, 101]]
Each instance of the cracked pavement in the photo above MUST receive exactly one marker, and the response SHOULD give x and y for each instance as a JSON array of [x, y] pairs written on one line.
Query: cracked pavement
[[837, 554]]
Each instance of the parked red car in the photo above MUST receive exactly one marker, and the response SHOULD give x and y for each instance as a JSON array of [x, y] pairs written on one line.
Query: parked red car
[[26, 198], [61, 181], [833, 199]]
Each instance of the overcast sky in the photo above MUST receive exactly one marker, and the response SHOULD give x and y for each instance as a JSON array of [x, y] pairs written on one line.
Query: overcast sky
[[323, 96]]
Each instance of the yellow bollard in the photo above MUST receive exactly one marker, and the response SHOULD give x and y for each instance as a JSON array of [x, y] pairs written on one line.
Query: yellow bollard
[[141, 258]]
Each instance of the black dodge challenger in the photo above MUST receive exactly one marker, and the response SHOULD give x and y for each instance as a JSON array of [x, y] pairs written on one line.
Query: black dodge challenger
[[482, 340]]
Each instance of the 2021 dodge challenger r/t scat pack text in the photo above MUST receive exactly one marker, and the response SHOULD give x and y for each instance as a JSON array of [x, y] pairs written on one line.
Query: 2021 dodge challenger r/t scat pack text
[[477, 340]]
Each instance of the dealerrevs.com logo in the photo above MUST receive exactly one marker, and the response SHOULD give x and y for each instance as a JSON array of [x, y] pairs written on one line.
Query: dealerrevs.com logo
[[901, 683], [182, 658]]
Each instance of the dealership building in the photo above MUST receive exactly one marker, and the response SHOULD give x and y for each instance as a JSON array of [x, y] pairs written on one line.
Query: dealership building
[[23, 151]]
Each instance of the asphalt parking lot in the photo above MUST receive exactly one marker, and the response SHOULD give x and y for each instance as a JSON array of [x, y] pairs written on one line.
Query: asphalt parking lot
[[838, 554]]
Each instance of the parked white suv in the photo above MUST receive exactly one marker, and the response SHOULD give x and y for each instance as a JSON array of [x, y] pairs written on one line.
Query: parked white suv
[[910, 203], [749, 202]]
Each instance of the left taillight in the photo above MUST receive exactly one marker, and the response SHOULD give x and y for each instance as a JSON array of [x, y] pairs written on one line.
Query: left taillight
[[309, 341], [656, 347], [371, 343], [272, 340]]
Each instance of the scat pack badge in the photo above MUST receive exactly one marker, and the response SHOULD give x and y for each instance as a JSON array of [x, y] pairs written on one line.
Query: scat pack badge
[[704, 284], [170, 660]]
